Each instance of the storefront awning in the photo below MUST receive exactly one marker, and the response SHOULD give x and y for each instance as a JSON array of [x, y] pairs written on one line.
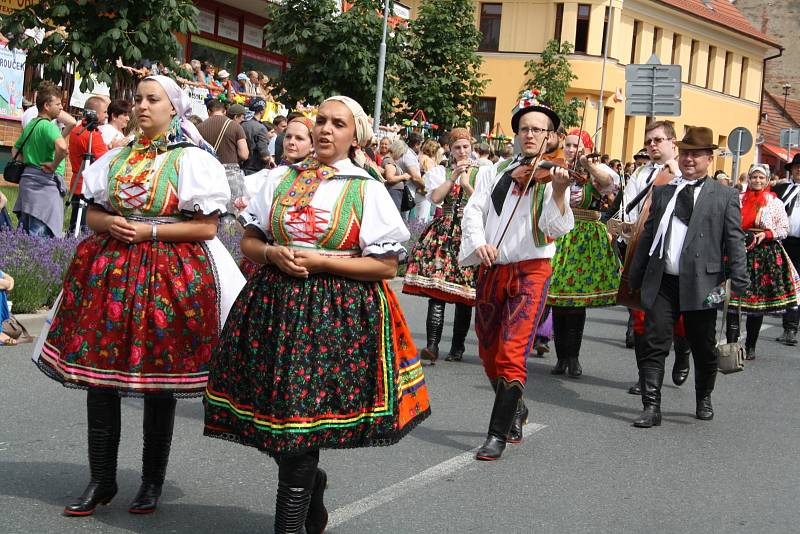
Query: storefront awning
[[779, 152]]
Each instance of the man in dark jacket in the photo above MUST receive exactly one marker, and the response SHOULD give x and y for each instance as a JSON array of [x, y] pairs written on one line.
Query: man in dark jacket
[[694, 223], [257, 139]]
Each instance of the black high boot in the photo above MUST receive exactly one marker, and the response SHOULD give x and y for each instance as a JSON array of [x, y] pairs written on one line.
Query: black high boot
[[636, 388], [732, 328], [103, 421], [630, 341], [704, 380], [433, 330], [505, 407], [560, 340], [650, 380], [461, 324], [680, 369], [790, 322], [298, 481], [159, 420], [576, 324], [520, 420], [753, 326]]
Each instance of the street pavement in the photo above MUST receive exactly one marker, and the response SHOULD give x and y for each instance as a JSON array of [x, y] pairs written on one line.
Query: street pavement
[[581, 468]]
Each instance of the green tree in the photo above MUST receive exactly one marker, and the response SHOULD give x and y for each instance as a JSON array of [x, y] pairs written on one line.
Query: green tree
[[337, 53], [552, 74], [446, 81], [92, 34]]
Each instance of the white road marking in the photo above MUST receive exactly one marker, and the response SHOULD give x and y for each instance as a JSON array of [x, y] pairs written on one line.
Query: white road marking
[[766, 327], [395, 491]]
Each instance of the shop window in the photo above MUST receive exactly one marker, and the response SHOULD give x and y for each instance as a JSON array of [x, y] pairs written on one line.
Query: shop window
[[559, 21], [582, 28], [259, 63], [483, 112], [220, 55], [490, 27]]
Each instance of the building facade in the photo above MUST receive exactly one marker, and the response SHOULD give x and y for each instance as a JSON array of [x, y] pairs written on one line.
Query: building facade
[[721, 56]]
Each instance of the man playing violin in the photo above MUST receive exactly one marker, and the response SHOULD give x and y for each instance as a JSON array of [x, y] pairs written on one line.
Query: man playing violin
[[510, 222], [586, 269], [693, 226]]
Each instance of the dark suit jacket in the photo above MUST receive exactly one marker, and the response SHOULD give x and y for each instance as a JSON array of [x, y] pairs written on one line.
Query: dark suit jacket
[[715, 231]]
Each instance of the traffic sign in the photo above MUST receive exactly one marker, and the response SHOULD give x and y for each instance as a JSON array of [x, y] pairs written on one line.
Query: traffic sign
[[653, 89], [790, 137], [740, 141]]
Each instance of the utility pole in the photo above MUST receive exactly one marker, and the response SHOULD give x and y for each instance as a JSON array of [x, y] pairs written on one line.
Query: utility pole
[[607, 33], [376, 123]]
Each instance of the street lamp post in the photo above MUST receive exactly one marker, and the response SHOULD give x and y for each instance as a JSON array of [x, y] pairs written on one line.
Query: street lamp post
[[598, 122], [381, 65], [786, 88]]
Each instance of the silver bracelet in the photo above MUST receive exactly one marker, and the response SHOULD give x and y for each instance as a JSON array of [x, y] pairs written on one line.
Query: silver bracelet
[[154, 232]]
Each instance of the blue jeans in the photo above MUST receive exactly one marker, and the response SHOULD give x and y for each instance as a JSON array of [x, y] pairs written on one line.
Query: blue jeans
[[33, 226]]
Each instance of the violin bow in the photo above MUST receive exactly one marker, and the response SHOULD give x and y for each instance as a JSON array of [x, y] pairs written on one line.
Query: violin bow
[[519, 199]]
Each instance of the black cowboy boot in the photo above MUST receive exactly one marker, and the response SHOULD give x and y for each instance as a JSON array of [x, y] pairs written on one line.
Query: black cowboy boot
[[650, 380], [103, 421], [433, 330], [574, 337], [299, 507], [520, 420], [159, 420], [505, 407], [461, 324], [560, 340], [680, 369], [753, 326], [704, 379]]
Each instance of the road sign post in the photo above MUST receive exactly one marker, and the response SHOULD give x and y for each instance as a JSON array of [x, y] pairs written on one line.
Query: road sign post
[[740, 141], [653, 89]]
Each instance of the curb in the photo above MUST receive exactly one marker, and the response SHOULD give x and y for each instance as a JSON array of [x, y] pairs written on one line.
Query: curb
[[32, 321]]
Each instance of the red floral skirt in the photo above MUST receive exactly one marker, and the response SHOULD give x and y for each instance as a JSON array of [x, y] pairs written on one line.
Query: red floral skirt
[[139, 318]]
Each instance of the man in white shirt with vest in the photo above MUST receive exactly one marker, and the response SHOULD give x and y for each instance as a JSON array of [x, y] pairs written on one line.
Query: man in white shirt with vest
[[789, 193], [509, 226]]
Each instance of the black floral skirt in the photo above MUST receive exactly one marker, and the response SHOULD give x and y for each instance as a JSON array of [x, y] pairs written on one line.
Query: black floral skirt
[[773, 281], [323, 362]]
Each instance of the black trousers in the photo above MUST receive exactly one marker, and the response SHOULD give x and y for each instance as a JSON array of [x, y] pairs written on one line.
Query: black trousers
[[791, 317], [700, 333]]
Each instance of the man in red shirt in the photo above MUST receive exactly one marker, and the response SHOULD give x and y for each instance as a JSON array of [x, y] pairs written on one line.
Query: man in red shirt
[[79, 148]]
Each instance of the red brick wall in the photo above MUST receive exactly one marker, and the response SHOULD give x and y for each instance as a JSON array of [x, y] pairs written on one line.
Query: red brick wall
[[9, 131]]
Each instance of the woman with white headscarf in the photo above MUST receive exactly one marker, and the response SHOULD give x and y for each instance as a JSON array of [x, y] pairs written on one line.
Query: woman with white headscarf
[[317, 353], [145, 297]]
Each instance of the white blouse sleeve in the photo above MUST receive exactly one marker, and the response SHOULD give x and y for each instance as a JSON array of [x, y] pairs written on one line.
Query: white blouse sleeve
[[433, 179], [202, 184], [473, 229], [257, 212], [95, 179], [779, 221], [383, 231]]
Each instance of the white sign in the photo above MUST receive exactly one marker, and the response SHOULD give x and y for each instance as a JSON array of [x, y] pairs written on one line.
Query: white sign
[[198, 97], [228, 28], [78, 98], [205, 21], [402, 11], [253, 35]]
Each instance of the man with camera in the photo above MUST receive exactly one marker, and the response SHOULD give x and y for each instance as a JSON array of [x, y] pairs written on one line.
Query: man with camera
[[85, 144]]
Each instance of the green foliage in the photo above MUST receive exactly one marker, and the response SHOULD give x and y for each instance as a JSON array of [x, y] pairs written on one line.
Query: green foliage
[[92, 34], [446, 81], [553, 74], [332, 53]]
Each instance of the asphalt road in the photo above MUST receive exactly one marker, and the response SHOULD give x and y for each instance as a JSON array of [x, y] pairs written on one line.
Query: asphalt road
[[581, 468]]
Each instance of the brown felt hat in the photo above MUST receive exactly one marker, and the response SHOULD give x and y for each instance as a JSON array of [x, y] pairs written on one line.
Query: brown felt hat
[[698, 138]]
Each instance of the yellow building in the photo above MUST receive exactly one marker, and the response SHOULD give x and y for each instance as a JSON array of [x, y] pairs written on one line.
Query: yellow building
[[722, 60]]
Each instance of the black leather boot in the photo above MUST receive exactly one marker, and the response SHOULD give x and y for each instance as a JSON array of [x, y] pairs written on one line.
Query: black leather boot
[[505, 408], [732, 328], [680, 369], [520, 420], [650, 380], [433, 330], [753, 326], [560, 341], [704, 379], [791, 318], [159, 420], [103, 421], [301, 484], [461, 324], [576, 324], [636, 389], [630, 341]]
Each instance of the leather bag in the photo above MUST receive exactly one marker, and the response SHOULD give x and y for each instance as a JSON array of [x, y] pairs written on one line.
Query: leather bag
[[12, 172], [730, 355], [407, 202]]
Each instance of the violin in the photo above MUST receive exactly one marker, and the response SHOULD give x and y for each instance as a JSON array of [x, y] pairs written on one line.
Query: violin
[[547, 161]]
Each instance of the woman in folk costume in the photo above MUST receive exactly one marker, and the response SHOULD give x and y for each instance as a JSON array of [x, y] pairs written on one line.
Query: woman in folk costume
[[773, 279], [145, 297], [586, 270], [317, 353], [433, 269]]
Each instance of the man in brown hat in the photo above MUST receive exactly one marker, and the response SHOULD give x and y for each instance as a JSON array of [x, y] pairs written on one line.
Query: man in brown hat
[[694, 222], [789, 193]]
